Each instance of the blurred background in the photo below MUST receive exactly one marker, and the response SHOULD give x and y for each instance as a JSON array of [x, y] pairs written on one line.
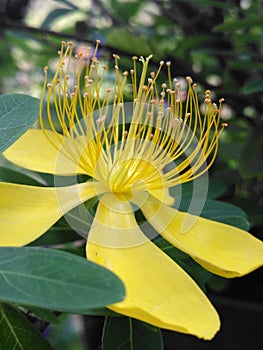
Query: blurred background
[[220, 45]]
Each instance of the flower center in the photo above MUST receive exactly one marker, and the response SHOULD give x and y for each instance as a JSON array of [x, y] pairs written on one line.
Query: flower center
[[129, 146]]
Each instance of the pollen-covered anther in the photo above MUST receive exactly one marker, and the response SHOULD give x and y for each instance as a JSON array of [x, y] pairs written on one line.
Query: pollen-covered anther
[[125, 74], [221, 100], [72, 95], [49, 85], [63, 43], [150, 80], [168, 63], [207, 100], [144, 88], [45, 69], [224, 125], [120, 104], [98, 41], [134, 58], [153, 101], [164, 86], [131, 71], [70, 44], [101, 120], [177, 85], [189, 80], [104, 67], [161, 63], [152, 74], [187, 115], [162, 93], [86, 94], [194, 86], [67, 77], [59, 52], [117, 57], [125, 133], [108, 90], [58, 81]]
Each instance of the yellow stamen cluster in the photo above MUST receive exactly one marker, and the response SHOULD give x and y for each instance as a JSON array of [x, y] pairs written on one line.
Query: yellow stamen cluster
[[155, 141]]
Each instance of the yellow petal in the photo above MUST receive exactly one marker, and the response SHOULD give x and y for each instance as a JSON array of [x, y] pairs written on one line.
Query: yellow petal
[[33, 151], [158, 291], [163, 195], [220, 248], [26, 212]]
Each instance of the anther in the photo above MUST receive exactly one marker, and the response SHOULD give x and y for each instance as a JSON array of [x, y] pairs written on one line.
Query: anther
[[161, 63], [163, 85], [101, 120], [125, 74], [70, 44], [168, 63], [134, 58], [49, 85], [221, 100], [45, 69], [224, 125], [63, 43], [98, 41], [189, 79], [116, 56]]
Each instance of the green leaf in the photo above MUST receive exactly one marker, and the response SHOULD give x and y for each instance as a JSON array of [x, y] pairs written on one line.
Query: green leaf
[[221, 212], [52, 16], [132, 44], [247, 22], [17, 333], [124, 333], [251, 154], [17, 113], [43, 314], [13, 176], [253, 86], [55, 280], [68, 3]]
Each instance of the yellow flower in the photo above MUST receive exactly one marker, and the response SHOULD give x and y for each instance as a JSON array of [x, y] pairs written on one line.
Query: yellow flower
[[132, 153]]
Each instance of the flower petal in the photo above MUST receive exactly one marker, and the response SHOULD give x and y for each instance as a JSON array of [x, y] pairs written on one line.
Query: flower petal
[[222, 249], [35, 152], [163, 195], [158, 291], [26, 212]]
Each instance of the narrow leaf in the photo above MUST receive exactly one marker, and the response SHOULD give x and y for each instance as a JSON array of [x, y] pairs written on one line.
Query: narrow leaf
[[124, 333], [17, 332], [55, 280], [17, 113]]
